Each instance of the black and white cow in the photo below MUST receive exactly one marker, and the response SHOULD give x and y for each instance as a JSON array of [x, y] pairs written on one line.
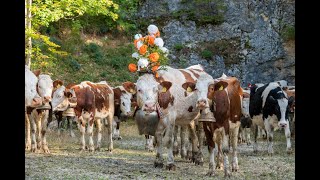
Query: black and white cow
[[268, 109]]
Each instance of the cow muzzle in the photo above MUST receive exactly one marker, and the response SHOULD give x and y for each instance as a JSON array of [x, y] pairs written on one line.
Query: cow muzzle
[[36, 102], [46, 99], [282, 124], [149, 107], [202, 104]]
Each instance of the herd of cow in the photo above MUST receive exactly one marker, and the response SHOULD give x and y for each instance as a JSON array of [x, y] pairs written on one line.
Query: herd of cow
[[217, 111]]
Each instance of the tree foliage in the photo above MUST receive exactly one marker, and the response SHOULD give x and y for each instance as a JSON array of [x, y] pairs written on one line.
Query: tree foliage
[[45, 12]]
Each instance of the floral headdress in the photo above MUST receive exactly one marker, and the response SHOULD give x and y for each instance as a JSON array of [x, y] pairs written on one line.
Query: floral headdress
[[150, 52]]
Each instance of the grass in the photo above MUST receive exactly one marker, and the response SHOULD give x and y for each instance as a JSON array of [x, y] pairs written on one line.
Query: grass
[[129, 160]]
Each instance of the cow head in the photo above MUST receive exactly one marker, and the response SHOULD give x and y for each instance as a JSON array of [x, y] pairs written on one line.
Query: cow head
[[126, 97], [63, 98], [45, 87], [148, 90], [32, 97], [278, 101]]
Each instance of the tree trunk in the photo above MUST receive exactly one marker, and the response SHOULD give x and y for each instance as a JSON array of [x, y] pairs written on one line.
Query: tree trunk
[[28, 42]]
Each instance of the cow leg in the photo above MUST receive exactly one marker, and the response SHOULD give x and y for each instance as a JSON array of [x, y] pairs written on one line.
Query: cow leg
[[218, 138], [116, 127], [200, 134], [90, 134], [59, 121], [33, 133], [170, 160], [149, 143], [288, 136], [194, 140], [234, 143], [38, 120], [269, 136], [247, 135], [158, 163], [240, 137], [70, 120], [255, 131], [28, 140], [82, 128], [225, 150], [98, 124], [184, 140], [209, 137], [175, 141], [44, 124], [109, 120]]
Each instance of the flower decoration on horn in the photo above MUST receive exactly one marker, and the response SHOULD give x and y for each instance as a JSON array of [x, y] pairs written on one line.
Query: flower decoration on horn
[[150, 54]]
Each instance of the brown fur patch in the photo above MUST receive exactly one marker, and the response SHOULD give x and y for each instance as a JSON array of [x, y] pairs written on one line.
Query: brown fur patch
[[101, 98], [187, 76], [166, 84], [56, 83], [117, 93], [245, 95], [190, 109], [37, 72], [164, 98], [128, 86], [70, 85], [194, 73]]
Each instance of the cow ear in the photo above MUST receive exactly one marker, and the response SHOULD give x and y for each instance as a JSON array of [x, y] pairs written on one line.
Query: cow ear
[[130, 87], [165, 86], [57, 84], [189, 86], [290, 100], [221, 85], [37, 72], [272, 100]]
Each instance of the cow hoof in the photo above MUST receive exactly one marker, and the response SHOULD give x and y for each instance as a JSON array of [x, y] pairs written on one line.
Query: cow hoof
[[158, 164], [235, 169], [248, 143], [227, 175], [199, 163], [219, 167], [289, 151], [28, 147], [109, 151], [86, 147], [39, 145], [175, 153], [98, 148], [171, 167], [211, 173], [91, 149], [45, 149]]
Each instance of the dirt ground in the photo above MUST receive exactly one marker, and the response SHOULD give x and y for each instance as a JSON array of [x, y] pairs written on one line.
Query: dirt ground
[[130, 160]]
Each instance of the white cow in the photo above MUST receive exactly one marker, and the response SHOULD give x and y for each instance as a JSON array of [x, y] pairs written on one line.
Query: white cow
[[166, 96]]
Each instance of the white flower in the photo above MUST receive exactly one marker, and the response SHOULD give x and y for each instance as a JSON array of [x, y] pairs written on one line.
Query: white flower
[[135, 55], [158, 42], [164, 50], [139, 44], [142, 63], [137, 36], [152, 29]]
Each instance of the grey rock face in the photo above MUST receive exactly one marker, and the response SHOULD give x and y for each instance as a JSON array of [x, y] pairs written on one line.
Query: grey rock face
[[259, 57]]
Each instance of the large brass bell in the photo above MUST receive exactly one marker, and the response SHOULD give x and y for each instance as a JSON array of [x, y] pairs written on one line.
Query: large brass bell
[[206, 115]]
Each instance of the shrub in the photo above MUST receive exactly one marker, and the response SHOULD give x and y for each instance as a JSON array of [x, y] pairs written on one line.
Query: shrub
[[178, 47], [206, 54]]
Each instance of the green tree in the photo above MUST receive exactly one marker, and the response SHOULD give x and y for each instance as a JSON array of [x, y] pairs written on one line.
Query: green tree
[[40, 13]]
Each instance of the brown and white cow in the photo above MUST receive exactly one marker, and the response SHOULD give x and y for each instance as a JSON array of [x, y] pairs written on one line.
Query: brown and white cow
[[95, 101], [166, 96], [69, 112], [32, 99], [123, 95], [39, 116], [225, 94]]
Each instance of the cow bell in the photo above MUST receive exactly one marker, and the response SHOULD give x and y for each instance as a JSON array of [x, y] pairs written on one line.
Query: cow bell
[[68, 112], [206, 115]]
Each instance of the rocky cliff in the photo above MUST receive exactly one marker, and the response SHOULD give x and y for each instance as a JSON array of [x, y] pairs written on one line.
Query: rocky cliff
[[250, 39]]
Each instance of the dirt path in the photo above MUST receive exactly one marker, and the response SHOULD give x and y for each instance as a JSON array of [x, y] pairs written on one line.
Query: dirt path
[[130, 160]]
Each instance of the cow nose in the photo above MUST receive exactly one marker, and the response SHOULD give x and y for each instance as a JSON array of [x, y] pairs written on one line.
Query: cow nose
[[47, 99], [201, 103], [283, 125], [36, 101], [149, 106]]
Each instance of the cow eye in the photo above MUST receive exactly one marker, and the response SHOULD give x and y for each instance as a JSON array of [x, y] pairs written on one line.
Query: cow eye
[[123, 103], [140, 91]]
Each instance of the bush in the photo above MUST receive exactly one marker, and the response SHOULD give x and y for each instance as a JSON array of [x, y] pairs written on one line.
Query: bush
[[206, 54], [288, 33], [73, 63], [178, 47]]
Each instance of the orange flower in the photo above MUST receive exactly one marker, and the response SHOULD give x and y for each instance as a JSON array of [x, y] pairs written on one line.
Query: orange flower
[[143, 49], [151, 40], [132, 67], [154, 68], [157, 75], [135, 42], [157, 34], [154, 57]]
